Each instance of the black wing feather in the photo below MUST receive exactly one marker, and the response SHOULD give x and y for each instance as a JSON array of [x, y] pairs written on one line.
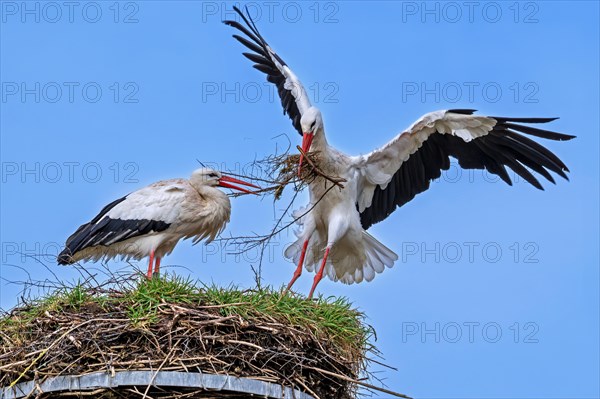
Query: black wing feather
[[503, 147], [257, 49], [264, 63], [489, 158], [104, 231]]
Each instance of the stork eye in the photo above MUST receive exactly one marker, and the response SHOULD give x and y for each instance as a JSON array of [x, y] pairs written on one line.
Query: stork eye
[[313, 124], [212, 175]]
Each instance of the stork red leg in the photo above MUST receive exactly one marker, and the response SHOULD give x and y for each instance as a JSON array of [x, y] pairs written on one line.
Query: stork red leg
[[150, 262], [157, 267], [298, 271], [319, 274]]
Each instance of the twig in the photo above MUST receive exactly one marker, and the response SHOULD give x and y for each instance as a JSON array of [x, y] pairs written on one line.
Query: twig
[[69, 331], [361, 383], [335, 180]]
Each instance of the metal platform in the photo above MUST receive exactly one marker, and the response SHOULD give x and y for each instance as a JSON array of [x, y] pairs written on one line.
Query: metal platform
[[163, 379]]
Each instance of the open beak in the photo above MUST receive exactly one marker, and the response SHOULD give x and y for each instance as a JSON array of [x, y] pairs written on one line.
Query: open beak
[[307, 139], [225, 181]]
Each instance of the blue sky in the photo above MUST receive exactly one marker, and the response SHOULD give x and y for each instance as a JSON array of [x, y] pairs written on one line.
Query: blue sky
[[496, 291]]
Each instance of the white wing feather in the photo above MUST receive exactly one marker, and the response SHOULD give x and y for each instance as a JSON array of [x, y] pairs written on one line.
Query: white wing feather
[[292, 83], [378, 167], [158, 201]]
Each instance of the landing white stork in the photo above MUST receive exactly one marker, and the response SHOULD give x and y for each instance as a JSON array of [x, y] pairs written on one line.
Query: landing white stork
[[389, 177], [150, 221]]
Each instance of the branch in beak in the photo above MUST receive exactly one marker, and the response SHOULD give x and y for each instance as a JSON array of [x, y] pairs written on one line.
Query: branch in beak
[[307, 139], [225, 181]]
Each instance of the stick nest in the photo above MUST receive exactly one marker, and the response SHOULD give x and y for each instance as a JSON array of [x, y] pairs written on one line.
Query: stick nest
[[168, 324]]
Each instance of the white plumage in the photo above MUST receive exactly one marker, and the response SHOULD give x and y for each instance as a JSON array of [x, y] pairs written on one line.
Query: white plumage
[[356, 255], [152, 220], [377, 183]]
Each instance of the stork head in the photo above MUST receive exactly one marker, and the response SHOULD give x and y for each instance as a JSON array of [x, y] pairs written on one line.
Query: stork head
[[311, 124], [213, 178]]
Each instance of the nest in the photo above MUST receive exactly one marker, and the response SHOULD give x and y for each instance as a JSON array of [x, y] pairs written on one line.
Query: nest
[[318, 347]]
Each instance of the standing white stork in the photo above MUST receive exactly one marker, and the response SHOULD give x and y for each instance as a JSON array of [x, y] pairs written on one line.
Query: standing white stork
[[382, 180], [150, 221]]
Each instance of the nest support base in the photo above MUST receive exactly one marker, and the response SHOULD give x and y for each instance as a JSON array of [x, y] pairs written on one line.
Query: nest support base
[[213, 385]]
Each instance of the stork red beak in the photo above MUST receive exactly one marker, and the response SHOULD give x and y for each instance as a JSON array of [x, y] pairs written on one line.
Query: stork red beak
[[307, 139], [225, 181]]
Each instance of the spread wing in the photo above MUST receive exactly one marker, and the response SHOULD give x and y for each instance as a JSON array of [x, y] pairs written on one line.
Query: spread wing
[[291, 92], [392, 175]]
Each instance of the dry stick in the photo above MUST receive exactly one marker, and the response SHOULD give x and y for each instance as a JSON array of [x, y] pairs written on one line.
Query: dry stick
[[303, 385], [268, 240], [43, 264], [265, 239], [234, 341], [256, 192], [69, 331], [275, 232], [382, 364], [224, 305], [270, 158], [364, 384], [135, 390], [8, 367], [38, 388], [173, 357], [158, 369], [334, 180], [88, 393], [275, 184]]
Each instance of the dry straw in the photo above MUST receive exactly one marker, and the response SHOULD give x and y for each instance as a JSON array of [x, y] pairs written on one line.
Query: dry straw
[[320, 347]]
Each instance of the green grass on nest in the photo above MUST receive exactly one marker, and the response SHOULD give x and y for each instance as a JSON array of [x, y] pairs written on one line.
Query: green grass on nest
[[331, 317], [319, 345]]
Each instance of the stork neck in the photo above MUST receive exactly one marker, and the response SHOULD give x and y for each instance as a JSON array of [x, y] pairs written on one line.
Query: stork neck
[[210, 193], [212, 207], [319, 142]]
